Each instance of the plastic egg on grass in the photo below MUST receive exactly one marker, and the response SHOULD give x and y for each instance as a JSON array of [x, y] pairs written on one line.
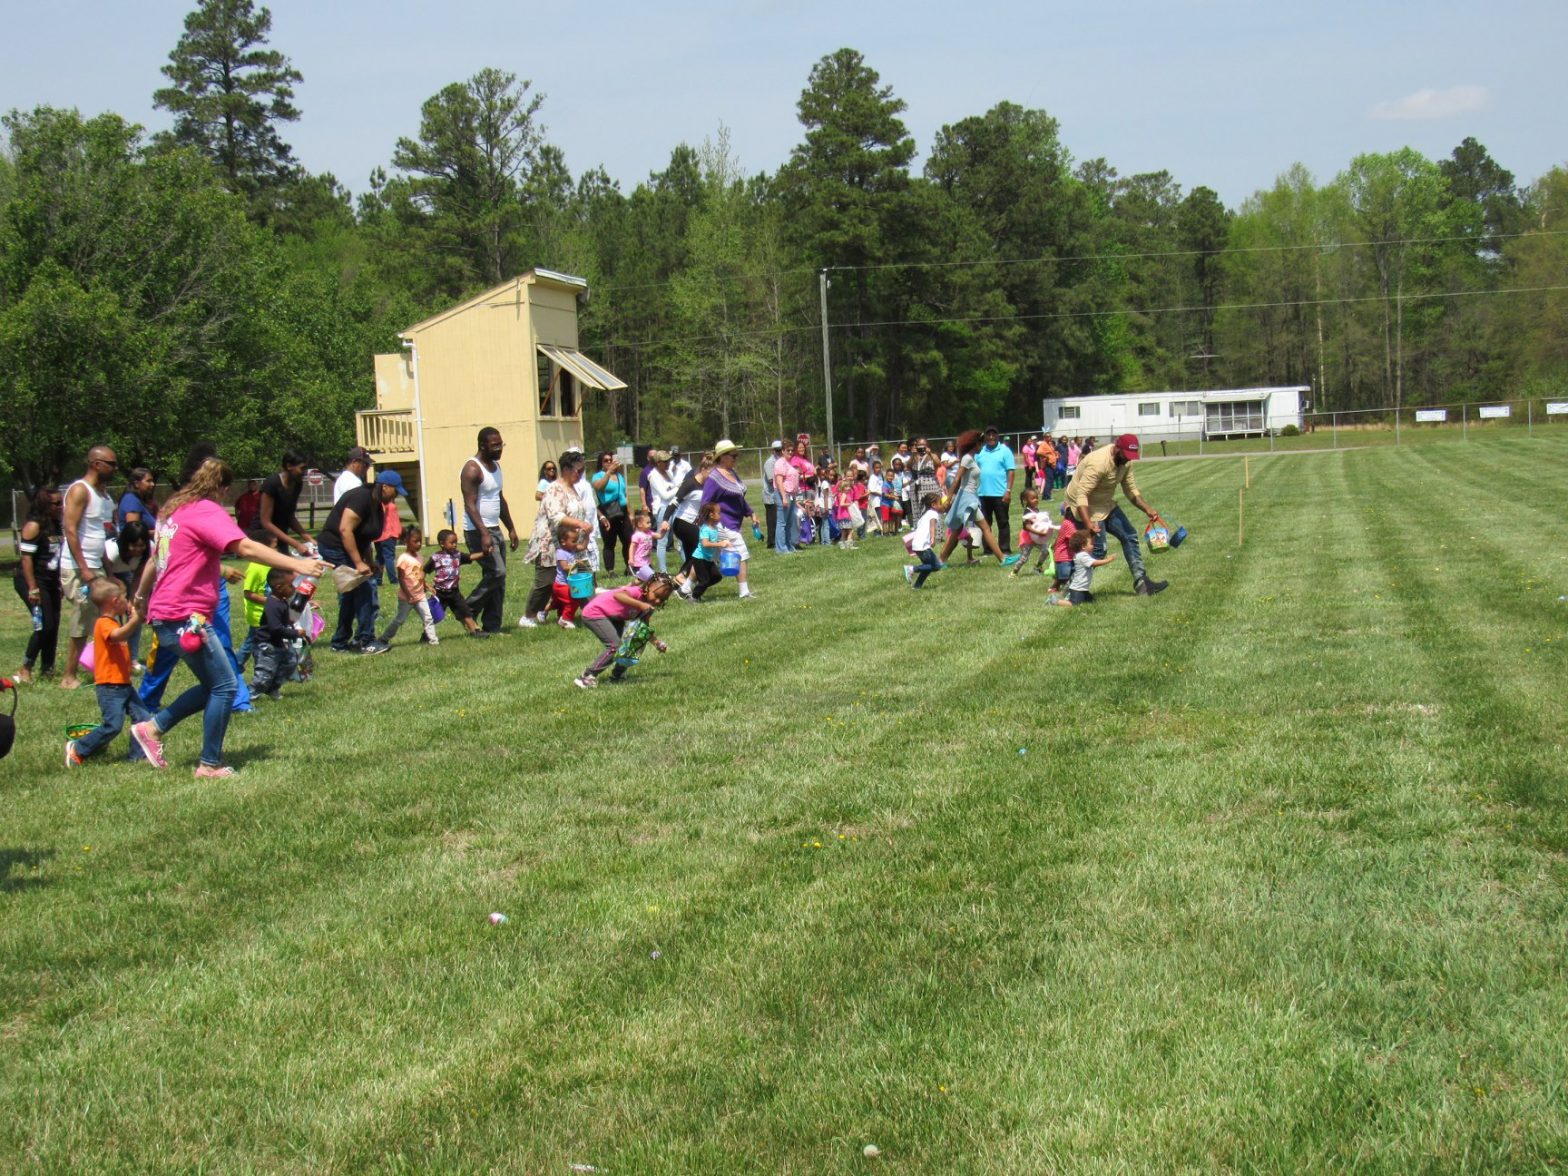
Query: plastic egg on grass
[[497, 918], [871, 1151]]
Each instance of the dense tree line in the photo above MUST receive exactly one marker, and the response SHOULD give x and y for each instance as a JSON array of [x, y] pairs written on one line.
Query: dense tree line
[[201, 283]]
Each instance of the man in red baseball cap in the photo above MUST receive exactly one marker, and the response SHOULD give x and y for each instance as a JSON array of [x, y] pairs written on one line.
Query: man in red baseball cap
[[1090, 500]]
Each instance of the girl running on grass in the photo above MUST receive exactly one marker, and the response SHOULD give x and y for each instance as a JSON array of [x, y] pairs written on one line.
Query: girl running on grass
[[607, 615], [922, 544]]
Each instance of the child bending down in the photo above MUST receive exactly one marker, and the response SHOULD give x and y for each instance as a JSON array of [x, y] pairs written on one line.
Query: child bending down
[[411, 594], [111, 670], [922, 544], [607, 614], [446, 566], [1036, 533], [1081, 545], [275, 637]]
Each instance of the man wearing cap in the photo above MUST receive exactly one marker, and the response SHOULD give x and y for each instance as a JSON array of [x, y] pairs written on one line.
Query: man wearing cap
[[356, 468], [997, 469], [347, 540], [770, 495], [1090, 499], [679, 466], [484, 513]]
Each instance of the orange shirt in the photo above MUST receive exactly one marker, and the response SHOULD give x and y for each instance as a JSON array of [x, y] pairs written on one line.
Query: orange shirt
[[111, 659]]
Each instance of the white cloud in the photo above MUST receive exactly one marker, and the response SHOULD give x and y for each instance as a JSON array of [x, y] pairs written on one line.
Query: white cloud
[[1428, 104]]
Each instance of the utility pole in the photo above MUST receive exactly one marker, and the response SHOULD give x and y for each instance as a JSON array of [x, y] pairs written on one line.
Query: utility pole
[[827, 365]]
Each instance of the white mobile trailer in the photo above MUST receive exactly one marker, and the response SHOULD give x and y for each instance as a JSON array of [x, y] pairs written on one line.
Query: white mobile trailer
[[1214, 415]]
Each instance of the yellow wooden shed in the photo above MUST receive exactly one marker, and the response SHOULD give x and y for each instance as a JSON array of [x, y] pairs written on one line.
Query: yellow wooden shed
[[506, 358]]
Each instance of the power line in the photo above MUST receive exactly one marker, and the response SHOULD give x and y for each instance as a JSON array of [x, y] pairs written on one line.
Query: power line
[[1324, 246], [1078, 314]]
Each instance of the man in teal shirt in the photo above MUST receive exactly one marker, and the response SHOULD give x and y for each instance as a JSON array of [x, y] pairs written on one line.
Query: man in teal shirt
[[997, 468]]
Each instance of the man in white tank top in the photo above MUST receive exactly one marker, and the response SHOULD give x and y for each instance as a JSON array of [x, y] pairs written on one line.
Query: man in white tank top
[[88, 516], [485, 512]]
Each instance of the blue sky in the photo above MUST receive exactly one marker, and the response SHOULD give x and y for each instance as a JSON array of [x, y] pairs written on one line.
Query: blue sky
[[1219, 92]]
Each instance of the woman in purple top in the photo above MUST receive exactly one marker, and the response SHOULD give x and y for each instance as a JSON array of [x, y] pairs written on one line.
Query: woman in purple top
[[725, 487]]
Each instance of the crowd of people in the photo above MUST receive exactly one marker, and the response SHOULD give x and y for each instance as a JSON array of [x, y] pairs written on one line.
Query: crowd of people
[[103, 568]]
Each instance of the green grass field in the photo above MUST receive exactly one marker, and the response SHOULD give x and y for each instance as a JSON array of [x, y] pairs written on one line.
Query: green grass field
[[1265, 874]]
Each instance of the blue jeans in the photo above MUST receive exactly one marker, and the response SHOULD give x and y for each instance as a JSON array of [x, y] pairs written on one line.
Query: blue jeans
[[164, 658], [113, 702], [786, 532], [356, 609], [928, 563], [487, 600], [386, 556], [213, 693], [1118, 524]]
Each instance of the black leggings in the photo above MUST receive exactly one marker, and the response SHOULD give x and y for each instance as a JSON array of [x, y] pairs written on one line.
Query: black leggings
[[41, 643], [619, 527], [690, 538]]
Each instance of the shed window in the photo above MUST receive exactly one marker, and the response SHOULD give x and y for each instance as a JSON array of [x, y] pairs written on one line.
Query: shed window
[[557, 390]]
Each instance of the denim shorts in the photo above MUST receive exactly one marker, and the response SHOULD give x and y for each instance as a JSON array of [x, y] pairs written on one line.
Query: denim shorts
[[1064, 570]]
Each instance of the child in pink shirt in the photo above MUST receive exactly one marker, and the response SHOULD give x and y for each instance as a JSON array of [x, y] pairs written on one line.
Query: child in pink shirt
[[607, 615], [411, 594], [640, 555]]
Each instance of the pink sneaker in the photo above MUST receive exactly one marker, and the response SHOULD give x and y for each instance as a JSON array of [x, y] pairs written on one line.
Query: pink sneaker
[[146, 736], [213, 771]]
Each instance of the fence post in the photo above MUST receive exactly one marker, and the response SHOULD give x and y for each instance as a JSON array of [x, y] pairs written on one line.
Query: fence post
[[1464, 422], [1529, 418], [1396, 424], [1335, 427]]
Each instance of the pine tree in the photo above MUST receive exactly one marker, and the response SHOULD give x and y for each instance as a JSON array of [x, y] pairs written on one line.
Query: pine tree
[[228, 94]]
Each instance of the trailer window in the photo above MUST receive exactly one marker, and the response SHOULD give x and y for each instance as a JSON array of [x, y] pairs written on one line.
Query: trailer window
[[1069, 412], [1149, 408]]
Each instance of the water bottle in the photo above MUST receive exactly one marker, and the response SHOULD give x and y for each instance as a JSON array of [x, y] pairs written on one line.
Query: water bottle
[[38, 618]]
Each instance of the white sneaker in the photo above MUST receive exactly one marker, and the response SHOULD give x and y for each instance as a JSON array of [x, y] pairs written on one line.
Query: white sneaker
[[565, 624], [745, 593], [527, 623], [909, 574], [586, 682]]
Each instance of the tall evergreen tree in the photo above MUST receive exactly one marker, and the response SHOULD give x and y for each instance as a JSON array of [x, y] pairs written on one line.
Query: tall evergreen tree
[[229, 93], [847, 189], [478, 144]]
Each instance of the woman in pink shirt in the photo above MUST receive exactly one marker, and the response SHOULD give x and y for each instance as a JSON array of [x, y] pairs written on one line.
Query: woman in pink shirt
[[178, 595]]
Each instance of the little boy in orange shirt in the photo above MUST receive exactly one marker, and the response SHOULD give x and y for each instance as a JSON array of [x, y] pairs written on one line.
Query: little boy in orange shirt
[[111, 670]]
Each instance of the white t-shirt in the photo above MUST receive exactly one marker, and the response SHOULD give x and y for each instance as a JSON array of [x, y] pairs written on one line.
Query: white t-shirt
[[1083, 571], [924, 530], [662, 490], [347, 480]]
